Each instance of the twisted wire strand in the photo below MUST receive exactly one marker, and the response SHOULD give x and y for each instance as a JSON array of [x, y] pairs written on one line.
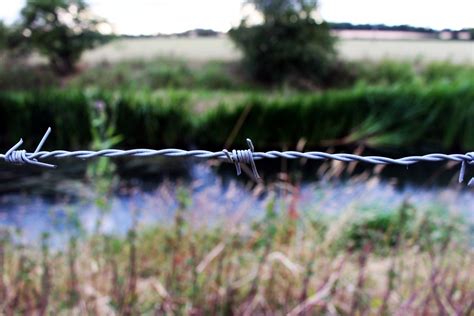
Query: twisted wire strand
[[241, 154], [236, 157]]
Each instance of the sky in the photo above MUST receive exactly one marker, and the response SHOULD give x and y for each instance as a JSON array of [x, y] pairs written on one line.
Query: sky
[[171, 16]]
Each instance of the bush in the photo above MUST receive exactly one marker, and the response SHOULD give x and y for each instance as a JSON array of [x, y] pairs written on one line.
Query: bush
[[289, 46]]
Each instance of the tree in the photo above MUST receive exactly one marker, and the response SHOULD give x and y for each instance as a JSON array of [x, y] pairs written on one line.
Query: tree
[[3, 35], [289, 45], [61, 30], [276, 9]]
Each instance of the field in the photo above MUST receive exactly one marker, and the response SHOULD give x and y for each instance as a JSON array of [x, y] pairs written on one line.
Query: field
[[205, 49]]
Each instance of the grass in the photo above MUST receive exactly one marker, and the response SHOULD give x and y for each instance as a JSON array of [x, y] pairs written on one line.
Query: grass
[[415, 115], [161, 73], [178, 73], [288, 261]]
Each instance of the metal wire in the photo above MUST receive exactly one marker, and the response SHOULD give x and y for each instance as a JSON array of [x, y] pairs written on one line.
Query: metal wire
[[237, 157]]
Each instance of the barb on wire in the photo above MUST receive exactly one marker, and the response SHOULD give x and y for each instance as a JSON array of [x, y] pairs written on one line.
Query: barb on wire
[[20, 157], [463, 169], [237, 157], [243, 156]]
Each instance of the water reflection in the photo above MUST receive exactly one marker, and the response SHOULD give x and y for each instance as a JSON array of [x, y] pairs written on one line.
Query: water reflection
[[215, 198]]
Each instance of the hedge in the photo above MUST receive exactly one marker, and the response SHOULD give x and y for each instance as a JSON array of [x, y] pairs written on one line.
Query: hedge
[[433, 117]]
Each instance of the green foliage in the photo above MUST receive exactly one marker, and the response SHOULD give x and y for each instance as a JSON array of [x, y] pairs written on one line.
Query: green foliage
[[380, 228], [153, 119], [425, 117], [290, 46], [276, 9], [390, 72], [17, 76], [431, 229], [448, 72], [157, 74], [11, 41], [68, 111], [3, 36], [409, 116], [60, 29], [167, 73], [386, 72]]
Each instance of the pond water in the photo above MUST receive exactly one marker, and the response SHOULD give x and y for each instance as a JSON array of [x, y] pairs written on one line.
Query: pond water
[[44, 201]]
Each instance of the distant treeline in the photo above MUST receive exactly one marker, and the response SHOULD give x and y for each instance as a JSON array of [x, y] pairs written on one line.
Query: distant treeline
[[334, 26], [190, 33], [400, 28], [381, 27]]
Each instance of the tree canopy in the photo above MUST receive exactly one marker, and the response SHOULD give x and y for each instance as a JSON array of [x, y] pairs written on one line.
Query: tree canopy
[[59, 29], [289, 45], [276, 9]]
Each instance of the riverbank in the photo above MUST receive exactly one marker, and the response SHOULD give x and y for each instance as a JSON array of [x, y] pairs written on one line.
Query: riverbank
[[425, 117]]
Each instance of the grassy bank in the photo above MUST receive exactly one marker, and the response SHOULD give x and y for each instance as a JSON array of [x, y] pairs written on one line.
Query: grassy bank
[[288, 261], [174, 73], [426, 117]]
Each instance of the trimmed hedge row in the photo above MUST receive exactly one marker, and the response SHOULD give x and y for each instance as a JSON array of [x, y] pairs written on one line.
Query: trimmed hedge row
[[431, 117]]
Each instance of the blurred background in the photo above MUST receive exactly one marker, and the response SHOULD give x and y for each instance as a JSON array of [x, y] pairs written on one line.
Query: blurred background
[[155, 236]]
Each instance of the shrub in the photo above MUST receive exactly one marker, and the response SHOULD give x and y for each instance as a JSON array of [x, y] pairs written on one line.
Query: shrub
[[289, 46]]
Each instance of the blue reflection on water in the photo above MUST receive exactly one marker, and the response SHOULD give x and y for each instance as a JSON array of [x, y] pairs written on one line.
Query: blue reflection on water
[[216, 200]]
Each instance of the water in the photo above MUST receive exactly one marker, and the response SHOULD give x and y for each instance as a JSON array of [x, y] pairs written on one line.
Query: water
[[44, 202]]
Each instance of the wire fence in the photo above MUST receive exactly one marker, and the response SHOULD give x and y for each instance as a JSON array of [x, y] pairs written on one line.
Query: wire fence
[[237, 157]]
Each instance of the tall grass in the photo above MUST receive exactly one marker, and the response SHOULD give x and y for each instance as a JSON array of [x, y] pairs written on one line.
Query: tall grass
[[159, 73], [287, 262], [174, 73], [425, 117], [389, 72]]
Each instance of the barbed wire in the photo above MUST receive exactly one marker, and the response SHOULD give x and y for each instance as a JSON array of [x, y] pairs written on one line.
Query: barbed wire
[[237, 157]]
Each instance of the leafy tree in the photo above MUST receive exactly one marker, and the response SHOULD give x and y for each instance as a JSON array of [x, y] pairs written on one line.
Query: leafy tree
[[276, 9], [59, 29], [3, 35], [289, 45]]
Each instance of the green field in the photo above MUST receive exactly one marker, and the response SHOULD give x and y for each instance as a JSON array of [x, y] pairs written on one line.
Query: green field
[[205, 49]]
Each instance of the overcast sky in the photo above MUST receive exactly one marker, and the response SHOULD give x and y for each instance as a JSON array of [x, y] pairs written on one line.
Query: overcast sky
[[170, 16]]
